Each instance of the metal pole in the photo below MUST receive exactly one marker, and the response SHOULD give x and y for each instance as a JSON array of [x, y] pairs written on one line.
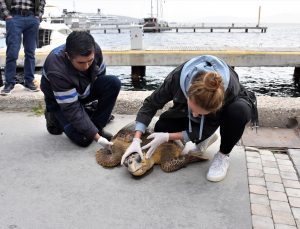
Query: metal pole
[[157, 9], [151, 9], [258, 23]]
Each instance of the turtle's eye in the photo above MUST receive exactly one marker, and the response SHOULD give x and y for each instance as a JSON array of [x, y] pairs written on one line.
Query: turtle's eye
[[126, 162], [138, 159]]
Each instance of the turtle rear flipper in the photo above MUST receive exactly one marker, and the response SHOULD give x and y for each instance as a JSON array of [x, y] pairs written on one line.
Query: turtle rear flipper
[[173, 164], [169, 164], [108, 158], [195, 157]]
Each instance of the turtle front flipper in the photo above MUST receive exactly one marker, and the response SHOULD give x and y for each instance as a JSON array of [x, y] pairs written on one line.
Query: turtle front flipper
[[109, 157]]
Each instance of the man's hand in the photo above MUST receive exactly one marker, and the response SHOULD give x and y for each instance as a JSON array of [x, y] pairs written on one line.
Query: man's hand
[[8, 17], [104, 142], [135, 147], [158, 139]]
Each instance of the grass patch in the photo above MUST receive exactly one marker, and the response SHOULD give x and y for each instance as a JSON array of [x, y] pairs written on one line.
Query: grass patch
[[39, 110]]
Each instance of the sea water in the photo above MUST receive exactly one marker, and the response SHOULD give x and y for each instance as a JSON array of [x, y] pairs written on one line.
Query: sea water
[[273, 81]]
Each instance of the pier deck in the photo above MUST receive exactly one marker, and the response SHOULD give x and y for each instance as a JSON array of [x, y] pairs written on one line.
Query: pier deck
[[238, 57]]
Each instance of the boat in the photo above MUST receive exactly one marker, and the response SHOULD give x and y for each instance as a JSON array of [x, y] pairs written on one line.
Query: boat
[[151, 25], [50, 36]]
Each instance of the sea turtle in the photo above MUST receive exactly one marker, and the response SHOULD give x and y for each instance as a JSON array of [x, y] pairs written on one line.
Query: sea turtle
[[166, 155]]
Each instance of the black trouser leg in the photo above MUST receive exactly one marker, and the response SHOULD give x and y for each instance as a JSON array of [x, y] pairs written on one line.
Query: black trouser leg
[[234, 118]]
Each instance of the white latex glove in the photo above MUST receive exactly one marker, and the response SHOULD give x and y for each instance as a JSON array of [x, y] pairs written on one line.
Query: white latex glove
[[158, 139], [135, 147], [104, 142], [189, 147]]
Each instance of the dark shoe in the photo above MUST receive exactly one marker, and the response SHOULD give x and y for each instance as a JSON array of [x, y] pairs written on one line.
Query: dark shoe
[[106, 134], [52, 124], [7, 89], [90, 108], [111, 117], [31, 87]]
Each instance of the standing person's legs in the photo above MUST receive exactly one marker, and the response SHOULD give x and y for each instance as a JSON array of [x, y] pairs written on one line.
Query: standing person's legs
[[105, 90], [14, 28], [29, 41]]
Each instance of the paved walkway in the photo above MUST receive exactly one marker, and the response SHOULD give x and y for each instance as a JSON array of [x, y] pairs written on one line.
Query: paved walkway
[[274, 188], [47, 182]]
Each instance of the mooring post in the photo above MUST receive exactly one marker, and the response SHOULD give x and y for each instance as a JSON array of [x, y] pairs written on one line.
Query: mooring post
[[136, 37]]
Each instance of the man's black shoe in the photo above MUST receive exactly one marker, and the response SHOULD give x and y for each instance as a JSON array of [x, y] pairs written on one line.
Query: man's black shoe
[[52, 124], [7, 89], [106, 134], [31, 87]]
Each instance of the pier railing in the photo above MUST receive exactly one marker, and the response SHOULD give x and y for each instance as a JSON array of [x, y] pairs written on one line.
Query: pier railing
[[237, 58], [271, 57]]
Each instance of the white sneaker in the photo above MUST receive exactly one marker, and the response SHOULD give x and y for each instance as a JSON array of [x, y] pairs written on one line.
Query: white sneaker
[[191, 147], [218, 168], [202, 146]]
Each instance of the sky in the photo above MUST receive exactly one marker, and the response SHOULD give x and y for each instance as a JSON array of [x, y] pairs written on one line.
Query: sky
[[244, 11]]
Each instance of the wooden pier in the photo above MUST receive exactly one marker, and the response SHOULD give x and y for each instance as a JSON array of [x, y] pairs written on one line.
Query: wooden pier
[[239, 57], [140, 59], [208, 29], [211, 29]]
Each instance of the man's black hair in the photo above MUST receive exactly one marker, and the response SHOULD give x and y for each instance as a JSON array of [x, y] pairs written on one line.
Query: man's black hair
[[80, 43]]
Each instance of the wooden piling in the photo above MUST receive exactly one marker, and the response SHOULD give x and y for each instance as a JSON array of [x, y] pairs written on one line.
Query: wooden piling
[[137, 72], [1, 80], [297, 73]]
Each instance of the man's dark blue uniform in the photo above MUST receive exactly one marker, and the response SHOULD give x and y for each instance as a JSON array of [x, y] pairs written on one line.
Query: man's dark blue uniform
[[68, 90]]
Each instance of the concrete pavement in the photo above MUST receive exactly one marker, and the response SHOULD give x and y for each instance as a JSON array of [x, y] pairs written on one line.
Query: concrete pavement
[[47, 182]]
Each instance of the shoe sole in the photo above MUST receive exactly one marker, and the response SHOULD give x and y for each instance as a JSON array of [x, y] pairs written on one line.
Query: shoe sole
[[213, 179], [27, 89], [5, 93]]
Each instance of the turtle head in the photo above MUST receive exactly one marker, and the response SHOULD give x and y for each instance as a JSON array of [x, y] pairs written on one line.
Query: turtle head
[[137, 166]]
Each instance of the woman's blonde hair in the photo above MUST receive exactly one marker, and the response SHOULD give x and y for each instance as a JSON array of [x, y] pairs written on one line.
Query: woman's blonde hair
[[207, 91]]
